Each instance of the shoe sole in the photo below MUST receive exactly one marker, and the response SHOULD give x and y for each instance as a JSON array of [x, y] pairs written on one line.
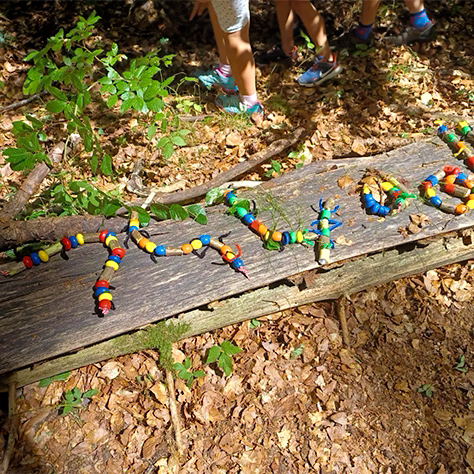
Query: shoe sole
[[332, 74]]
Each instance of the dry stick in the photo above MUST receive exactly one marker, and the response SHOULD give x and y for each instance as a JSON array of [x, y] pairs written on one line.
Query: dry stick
[[12, 432], [29, 187], [341, 311], [23, 102], [193, 194], [175, 419]]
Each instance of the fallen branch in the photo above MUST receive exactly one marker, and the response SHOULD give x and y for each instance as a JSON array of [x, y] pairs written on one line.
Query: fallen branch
[[21, 103], [29, 187], [175, 419], [341, 312], [198, 192], [13, 420]]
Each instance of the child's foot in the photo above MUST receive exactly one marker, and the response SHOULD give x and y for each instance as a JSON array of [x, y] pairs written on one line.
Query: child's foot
[[320, 72], [351, 42], [411, 35], [274, 54], [214, 78], [233, 105]]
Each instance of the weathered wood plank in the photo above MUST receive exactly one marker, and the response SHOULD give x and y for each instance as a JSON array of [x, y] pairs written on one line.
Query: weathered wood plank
[[357, 275], [49, 310]]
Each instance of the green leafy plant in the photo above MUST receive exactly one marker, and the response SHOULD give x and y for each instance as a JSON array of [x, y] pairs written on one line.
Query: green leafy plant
[[74, 399], [426, 389], [184, 373], [48, 380], [308, 44], [222, 354], [254, 323], [297, 352], [362, 50], [275, 167], [460, 366]]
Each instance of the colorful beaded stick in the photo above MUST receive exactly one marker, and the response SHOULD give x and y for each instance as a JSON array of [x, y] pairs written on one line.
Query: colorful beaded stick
[[43, 255], [272, 240], [458, 147], [102, 285], [466, 131], [325, 226], [204, 240], [453, 182]]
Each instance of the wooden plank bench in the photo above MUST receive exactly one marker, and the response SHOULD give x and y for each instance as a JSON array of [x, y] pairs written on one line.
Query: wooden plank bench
[[48, 311]]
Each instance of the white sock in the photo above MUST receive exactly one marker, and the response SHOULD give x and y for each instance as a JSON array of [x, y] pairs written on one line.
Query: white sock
[[249, 100], [225, 69]]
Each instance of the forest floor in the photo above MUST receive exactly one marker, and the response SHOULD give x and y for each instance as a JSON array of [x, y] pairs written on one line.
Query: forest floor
[[400, 399]]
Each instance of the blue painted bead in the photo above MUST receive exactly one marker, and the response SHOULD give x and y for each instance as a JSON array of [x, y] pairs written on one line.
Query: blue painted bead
[[74, 241], [248, 218], [435, 201], [230, 197], [115, 258], [131, 228], [160, 250], [101, 290], [35, 258], [285, 238], [442, 129], [384, 211], [237, 263], [109, 234], [205, 239], [461, 177], [432, 179]]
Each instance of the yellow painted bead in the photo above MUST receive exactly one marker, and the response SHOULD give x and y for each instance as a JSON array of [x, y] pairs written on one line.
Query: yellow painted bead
[[469, 204], [142, 242], [196, 244], [299, 236], [386, 186], [450, 179], [276, 236], [366, 189], [111, 263], [430, 192], [109, 239], [80, 239], [43, 256], [105, 296], [267, 235], [230, 255], [134, 223], [150, 246], [187, 248]]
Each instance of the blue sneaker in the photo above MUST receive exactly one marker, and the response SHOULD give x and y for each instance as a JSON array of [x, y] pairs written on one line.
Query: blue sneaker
[[213, 78], [320, 72], [232, 105]]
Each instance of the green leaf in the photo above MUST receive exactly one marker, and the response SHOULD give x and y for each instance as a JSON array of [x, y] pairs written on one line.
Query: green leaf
[[184, 374], [225, 363], [197, 213], [111, 101], [213, 354], [177, 366], [143, 216], [90, 393], [106, 165], [198, 373], [229, 348], [254, 323], [55, 106], [187, 363], [213, 196], [59, 377], [34, 121], [177, 140], [178, 212], [160, 211], [167, 150], [151, 131], [297, 352]]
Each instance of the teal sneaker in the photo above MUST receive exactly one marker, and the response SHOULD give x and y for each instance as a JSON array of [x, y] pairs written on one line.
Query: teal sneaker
[[213, 78], [232, 105], [319, 72]]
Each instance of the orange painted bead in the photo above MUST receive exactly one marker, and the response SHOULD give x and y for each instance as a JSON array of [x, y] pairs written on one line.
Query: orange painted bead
[[461, 209], [224, 249], [276, 236], [142, 243], [262, 229], [187, 248], [450, 179]]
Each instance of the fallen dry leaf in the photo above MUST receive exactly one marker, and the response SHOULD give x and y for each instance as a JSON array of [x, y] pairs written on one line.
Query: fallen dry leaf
[[345, 181], [358, 146]]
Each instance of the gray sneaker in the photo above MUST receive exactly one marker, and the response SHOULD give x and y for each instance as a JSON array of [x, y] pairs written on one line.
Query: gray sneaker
[[411, 35]]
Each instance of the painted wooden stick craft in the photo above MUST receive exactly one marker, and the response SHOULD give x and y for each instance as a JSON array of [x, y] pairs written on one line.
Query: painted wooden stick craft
[[466, 131], [204, 240], [458, 147]]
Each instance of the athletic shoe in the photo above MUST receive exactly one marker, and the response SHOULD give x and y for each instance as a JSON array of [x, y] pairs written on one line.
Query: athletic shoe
[[320, 72], [411, 35], [232, 105], [351, 42], [274, 54], [213, 78]]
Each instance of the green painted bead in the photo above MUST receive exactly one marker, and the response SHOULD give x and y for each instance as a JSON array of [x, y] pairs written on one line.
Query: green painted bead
[[325, 232], [325, 214], [451, 137], [292, 237], [240, 211], [231, 199]]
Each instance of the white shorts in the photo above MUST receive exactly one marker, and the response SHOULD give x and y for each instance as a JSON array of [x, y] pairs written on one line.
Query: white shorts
[[232, 15]]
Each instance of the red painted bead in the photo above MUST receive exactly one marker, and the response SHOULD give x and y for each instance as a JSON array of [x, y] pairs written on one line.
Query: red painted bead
[[105, 304], [119, 251], [101, 284], [448, 188], [470, 162], [28, 262], [451, 170], [66, 243], [426, 184], [255, 225], [102, 235]]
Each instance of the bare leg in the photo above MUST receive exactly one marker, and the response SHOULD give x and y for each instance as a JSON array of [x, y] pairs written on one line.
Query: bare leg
[[219, 36], [314, 25], [369, 11], [415, 6], [286, 22], [241, 61]]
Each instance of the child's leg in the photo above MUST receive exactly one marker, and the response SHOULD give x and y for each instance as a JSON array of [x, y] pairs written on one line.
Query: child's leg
[[369, 11], [286, 22], [314, 25], [219, 36], [418, 17]]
